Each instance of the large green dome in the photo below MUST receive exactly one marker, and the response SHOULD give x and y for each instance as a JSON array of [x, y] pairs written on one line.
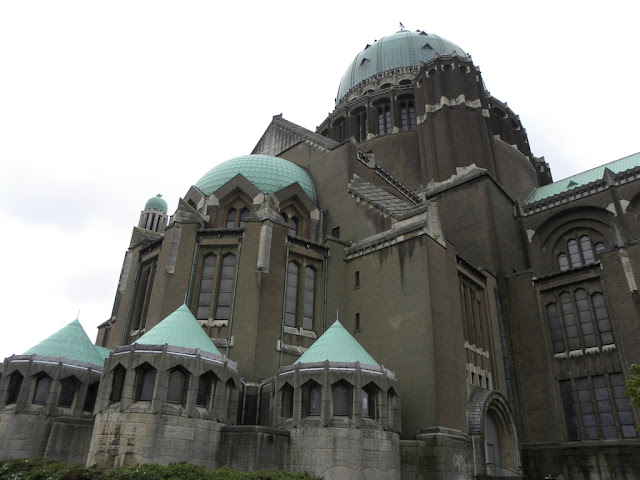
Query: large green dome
[[402, 49], [268, 174]]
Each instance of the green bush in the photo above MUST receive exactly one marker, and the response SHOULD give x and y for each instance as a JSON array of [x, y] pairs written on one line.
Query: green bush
[[41, 469]]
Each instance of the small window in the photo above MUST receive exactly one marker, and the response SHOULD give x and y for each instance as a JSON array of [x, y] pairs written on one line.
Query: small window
[[177, 390], [117, 384], [293, 226], [146, 380], [357, 327], [206, 390], [312, 398], [287, 401], [357, 279], [67, 392], [335, 232], [599, 247], [15, 383], [231, 218], [90, 399], [244, 213], [341, 399], [563, 262], [369, 401], [42, 390], [587, 251], [574, 254], [384, 120]]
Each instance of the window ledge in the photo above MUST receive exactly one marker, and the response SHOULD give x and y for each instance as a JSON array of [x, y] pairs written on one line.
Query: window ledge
[[609, 348]]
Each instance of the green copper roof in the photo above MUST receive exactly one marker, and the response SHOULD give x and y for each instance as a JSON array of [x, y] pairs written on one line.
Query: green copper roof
[[268, 174], [103, 351], [402, 49], [584, 178], [180, 329], [70, 342], [157, 202], [336, 345]]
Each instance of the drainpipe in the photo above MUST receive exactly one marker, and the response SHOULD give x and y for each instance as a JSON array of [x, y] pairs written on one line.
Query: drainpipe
[[325, 263], [233, 298], [258, 404], [284, 300], [133, 291], [187, 298]]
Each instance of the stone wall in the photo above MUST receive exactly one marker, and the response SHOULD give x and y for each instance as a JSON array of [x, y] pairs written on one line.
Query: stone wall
[[345, 452], [249, 447], [69, 440]]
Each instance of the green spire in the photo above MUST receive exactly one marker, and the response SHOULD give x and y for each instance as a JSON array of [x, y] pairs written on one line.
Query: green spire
[[180, 329], [70, 342], [337, 345]]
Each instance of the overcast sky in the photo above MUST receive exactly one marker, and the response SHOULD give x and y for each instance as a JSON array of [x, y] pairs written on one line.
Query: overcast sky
[[105, 104]]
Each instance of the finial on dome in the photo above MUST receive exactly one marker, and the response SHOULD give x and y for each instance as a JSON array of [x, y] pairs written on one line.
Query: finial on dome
[[401, 26]]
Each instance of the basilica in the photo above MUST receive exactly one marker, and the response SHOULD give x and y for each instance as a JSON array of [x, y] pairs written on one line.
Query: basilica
[[403, 293]]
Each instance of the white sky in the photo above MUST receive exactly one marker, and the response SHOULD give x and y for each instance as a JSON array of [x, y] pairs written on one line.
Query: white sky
[[104, 104]]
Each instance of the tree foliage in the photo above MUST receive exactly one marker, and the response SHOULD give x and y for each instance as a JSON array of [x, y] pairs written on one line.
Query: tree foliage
[[633, 386]]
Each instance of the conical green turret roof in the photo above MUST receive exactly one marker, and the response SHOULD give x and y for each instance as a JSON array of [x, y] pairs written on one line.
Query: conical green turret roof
[[337, 345], [70, 342], [180, 329]]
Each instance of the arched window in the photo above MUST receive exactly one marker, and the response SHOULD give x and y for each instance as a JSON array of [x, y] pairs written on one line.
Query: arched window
[[556, 328], [291, 305], [91, 397], [177, 389], [602, 317], [293, 226], [384, 119], [206, 390], [117, 384], [231, 218], [67, 392], [145, 382], [574, 254], [206, 287], [563, 262], [407, 115], [244, 213], [287, 401], [312, 398], [587, 251], [309, 298], [570, 322], [15, 383], [361, 126], [223, 305], [370, 401], [341, 399], [599, 247], [586, 321], [42, 390]]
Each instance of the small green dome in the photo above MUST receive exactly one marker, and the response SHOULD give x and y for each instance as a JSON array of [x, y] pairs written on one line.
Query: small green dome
[[402, 49], [268, 174], [157, 202]]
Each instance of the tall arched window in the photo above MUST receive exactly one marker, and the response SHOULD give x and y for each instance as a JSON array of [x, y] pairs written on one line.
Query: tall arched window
[[570, 321], [407, 115], [602, 317], [206, 390], [309, 298], [206, 287], [556, 328], [574, 254], [223, 305], [286, 410], [291, 305], [311, 398], [384, 119], [361, 126], [586, 321]]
